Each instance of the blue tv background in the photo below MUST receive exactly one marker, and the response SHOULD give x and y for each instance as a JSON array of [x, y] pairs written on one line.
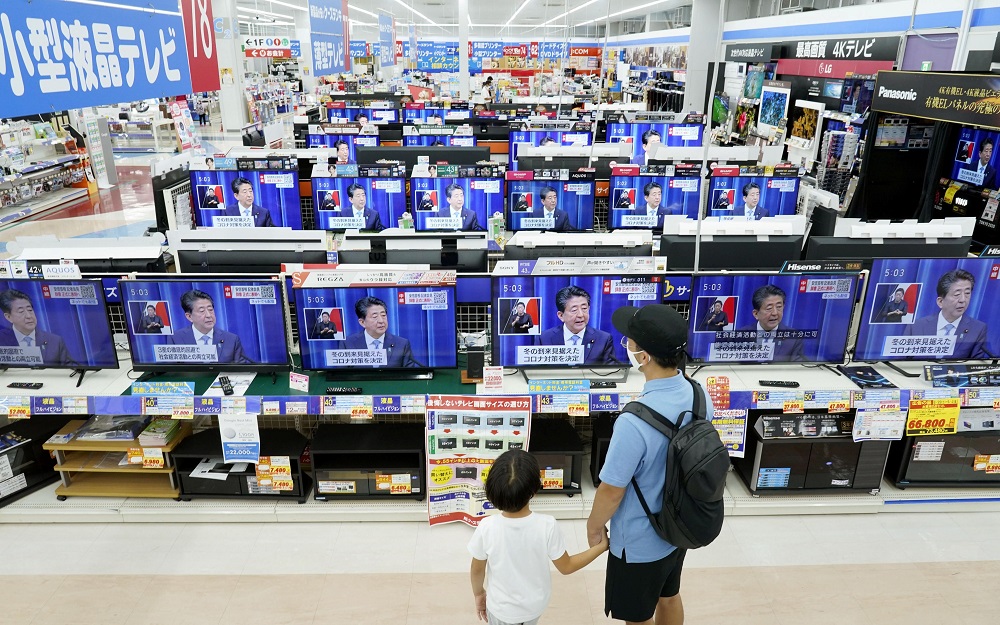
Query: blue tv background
[[545, 287], [447, 140], [976, 136], [423, 115], [534, 137], [327, 141], [617, 132], [84, 329], [802, 311], [261, 328], [483, 203], [432, 333], [982, 305], [676, 199], [771, 198], [579, 207], [283, 204], [349, 113], [389, 205]]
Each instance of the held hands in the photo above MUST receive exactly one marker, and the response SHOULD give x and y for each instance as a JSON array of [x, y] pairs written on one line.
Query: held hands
[[481, 606], [598, 537]]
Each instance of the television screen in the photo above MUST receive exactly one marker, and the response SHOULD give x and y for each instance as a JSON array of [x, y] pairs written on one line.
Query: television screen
[[434, 115], [345, 144], [974, 157], [398, 327], [227, 325], [363, 115], [752, 197], [644, 136], [857, 95], [246, 198], [720, 109], [55, 323], [803, 121], [455, 203], [753, 84], [746, 118], [434, 141], [564, 320], [558, 205], [770, 318], [544, 137], [642, 201], [911, 303], [833, 88], [358, 203]]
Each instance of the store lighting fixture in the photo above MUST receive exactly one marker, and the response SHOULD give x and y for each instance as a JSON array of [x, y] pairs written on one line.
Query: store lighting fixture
[[267, 13], [518, 11], [360, 10], [355, 22], [414, 11], [290, 6], [631, 10], [571, 11]]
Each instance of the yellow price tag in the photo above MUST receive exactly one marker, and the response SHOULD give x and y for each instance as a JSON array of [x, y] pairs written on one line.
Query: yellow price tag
[[794, 406], [400, 489], [361, 412], [18, 412], [282, 483], [183, 412], [839, 406], [135, 455], [933, 416], [996, 404], [578, 410], [152, 458]]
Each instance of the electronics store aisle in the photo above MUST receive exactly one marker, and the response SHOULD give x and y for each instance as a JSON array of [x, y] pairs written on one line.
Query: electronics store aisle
[[859, 569]]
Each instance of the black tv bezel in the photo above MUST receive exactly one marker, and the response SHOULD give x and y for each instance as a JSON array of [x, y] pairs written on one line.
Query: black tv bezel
[[206, 367]]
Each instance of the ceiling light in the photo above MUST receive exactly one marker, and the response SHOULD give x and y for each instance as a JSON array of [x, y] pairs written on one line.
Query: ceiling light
[[412, 10], [519, 9], [354, 8], [582, 6], [290, 6], [355, 22], [284, 17]]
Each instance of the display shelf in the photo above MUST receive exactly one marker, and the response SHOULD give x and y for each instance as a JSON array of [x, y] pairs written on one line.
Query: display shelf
[[117, 485], [28, 465], [559, 451], [34, 207], [89, 460], [124, 446], [369, 460]]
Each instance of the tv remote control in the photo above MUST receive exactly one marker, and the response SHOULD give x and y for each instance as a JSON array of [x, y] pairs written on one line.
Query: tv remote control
[[227, 386], [31, 385], [781, 383], [601, 384], [343, 390]]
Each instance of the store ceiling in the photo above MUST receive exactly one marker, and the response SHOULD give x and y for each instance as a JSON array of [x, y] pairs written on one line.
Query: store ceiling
[[538, 17]]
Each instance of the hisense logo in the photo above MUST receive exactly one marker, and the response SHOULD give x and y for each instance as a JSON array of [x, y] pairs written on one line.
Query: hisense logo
[[896, 94], [798, 267]]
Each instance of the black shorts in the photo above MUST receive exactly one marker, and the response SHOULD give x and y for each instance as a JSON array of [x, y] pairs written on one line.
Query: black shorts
[[633, 589]]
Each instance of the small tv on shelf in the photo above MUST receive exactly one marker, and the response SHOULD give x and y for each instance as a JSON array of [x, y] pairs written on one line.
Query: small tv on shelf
[[644, 136], [541, 137], [345, 145], [641, 198], [455, 203], [739, 193], [206, 324], [246, 198], [767, 318], [555, 205], [347, 203]]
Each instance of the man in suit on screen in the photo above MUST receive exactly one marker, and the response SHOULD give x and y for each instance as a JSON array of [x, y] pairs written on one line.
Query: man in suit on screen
[[550, 210], [573, 306], [768, 310], [373, 317], [652, 192], [359, 209], [752, 209], [245, 206], [982, 164], [954, 292], [455, 195], [24, 332], [199, 309]]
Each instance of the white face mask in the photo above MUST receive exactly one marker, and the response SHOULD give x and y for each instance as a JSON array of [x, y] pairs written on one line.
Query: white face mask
[[632, 358]]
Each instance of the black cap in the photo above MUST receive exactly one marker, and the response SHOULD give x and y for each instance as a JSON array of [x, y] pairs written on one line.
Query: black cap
[[659, 330]]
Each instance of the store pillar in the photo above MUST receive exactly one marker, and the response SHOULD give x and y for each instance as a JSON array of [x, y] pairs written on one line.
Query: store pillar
[[232, 95], [463, 50], [704, 49], [306, 60]]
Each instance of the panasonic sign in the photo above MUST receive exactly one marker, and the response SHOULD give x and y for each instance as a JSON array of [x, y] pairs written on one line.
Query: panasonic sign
[[897, 94]]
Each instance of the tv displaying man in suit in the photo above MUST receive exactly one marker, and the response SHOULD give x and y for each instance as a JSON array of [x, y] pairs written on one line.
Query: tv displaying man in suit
[[456, 208], [573, 309], [520, 321], [328, 203], [982, 165], [343, 152], [372, 316], [323, 328], [150, 322], [245, 206], [653, 194], [716, 320], [768, 310], [954, 292], [199, 309], [359, 209], [550, 210], [23, 331], [650, 139], [751, 198], [895, 309], [211, 200]]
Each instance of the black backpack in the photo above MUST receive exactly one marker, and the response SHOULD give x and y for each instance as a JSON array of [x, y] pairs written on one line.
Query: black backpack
[[697, 464]]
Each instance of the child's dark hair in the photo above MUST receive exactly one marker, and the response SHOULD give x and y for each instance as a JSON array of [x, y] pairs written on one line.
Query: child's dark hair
[[513, 480]]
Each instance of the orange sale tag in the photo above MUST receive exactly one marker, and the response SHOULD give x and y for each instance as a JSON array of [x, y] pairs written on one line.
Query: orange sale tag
[[794, 406], [839, 406]]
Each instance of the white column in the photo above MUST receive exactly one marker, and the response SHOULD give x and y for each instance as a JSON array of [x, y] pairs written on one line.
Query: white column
[[305, 61], [232, 98], [706, 40], [463, 50]]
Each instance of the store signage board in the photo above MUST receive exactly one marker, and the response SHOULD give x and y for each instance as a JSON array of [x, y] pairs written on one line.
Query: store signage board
[[199, 33], [968, 99], [131, 54], [750, 53], [830, 68], [858, 49], [387, 40], [329, 36]]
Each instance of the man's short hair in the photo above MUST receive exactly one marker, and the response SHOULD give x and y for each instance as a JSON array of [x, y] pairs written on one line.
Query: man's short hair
[[452, 187], [648, 134], [563, 295], [718, 301], [646, 190], [150, 306], [946, 281], [190, 297], [354, 187], [362, 305], [324, 313], [545, 190], [985, 142], [340, 142], [239, 182], [358, 117], [513, 480], [750, 186], [764, 292], [437, 144], [899, 291], [7, 299]]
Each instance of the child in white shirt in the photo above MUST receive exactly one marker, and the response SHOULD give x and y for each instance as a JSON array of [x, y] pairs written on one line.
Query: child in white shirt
[[516, 546]]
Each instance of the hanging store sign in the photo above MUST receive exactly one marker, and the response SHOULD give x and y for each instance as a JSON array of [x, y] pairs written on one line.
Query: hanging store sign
[[858, 49], [329, 35], [387, 40], [972, 99], [750, 53], [91, 54], [830, 69], [199, 33]]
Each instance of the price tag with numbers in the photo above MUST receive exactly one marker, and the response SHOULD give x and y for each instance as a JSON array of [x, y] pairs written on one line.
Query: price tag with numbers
[[839, 406], [15, 406], [152, 458], [578, 410], [361, 412], [932, 416], [795, 406]]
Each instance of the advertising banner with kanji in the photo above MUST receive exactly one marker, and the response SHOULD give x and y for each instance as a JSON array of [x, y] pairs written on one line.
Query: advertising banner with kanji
[[330, 38], [971, 99], [387, 39], [464, 436], [57, 54], [199, 32]]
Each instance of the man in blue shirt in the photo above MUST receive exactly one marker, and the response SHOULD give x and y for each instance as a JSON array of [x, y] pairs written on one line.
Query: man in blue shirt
[[644, 571]]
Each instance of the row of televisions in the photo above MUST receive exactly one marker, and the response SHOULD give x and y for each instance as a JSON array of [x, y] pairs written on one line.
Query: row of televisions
[[912, 309], [435, 203]]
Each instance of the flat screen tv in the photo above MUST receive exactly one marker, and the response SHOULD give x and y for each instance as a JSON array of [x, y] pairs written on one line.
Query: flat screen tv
[[752, 197], [206, 324], [246, 198], [644, 136], [517, 138], [974, 157], [761, 318], [564, 321], [911, 302], [58, 324], [642, 201], [439, 141], [361, 115], [371, 204], [556, 205], [455, 203], [379, 328], [434, 115], [345, 145]]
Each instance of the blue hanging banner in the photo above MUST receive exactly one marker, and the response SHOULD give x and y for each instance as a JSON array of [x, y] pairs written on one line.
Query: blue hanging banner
[[329, 34], [387, 40], [358, 49], [91, 54]]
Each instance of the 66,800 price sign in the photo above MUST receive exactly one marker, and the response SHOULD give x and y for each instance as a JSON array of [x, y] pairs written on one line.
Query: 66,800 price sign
[[925, 427]]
